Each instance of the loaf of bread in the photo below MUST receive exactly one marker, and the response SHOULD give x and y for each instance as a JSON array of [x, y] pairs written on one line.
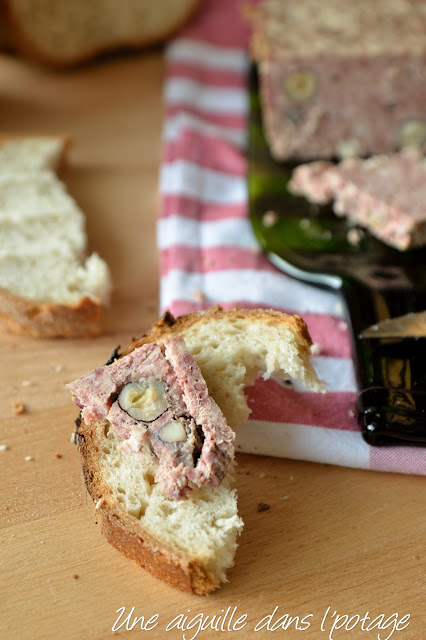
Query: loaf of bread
[[341, 80], [48, 285], [62, 34], [189, 542]]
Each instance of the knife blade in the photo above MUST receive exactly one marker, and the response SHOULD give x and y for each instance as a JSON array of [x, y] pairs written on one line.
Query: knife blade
[[410, 325]]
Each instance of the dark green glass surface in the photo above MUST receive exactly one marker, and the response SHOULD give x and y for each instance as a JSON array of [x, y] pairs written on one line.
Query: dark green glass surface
[[375, 281]]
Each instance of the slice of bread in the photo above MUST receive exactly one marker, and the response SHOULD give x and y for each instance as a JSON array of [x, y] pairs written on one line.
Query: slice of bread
[[48, 287], [190, 543], [61, 33], [233, 346]]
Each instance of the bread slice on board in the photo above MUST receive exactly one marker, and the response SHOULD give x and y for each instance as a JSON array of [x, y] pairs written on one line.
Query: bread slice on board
[[62, 33], [188, 543], [48, 285]]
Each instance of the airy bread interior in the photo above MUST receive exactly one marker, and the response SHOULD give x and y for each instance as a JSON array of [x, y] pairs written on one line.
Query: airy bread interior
[[43, 248], [203, 528], [53, 274], [20, 153], [233, 347], [35, 208]]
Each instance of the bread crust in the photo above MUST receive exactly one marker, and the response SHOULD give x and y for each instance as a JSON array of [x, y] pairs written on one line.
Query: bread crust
[[21, 40], [168, 325], [127, 534], [49, 320]]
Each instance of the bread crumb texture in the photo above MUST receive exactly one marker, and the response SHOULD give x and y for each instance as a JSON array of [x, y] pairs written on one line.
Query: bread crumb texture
[[18, 408], [202, 529], [233, 346], [49, 287]]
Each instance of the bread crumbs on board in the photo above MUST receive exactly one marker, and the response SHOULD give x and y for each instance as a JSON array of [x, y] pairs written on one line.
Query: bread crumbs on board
[[18, 408], [199, 295], [316, 349], [270, 218], [262, 506]]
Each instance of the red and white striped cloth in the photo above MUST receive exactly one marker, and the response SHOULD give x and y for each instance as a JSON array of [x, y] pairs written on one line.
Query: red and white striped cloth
[[208, 253]]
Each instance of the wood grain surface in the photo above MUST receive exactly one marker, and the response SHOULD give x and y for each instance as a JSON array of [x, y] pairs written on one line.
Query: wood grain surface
[[346, 539]]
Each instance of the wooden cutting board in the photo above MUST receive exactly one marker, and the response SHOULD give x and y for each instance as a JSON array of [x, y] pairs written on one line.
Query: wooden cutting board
[[339, 540]]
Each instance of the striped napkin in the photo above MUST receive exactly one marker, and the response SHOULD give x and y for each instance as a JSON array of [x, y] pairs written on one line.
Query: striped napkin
[[208, 253]]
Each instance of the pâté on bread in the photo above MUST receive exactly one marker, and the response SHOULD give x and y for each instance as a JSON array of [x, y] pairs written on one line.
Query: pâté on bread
[[156, 446]]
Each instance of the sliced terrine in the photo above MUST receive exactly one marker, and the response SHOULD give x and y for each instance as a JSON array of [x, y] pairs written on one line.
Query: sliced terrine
[[340, 79], [156, 401], [385, 193]]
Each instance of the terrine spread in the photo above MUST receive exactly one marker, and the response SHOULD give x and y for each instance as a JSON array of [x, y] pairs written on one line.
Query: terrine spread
[[386, 193], [341, 79], [156, 396]]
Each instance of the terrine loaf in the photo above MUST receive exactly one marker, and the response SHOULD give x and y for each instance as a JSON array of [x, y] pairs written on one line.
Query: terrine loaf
[[62, 33], [156, 450], [48, 285], [386, 194], [339, 80]]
